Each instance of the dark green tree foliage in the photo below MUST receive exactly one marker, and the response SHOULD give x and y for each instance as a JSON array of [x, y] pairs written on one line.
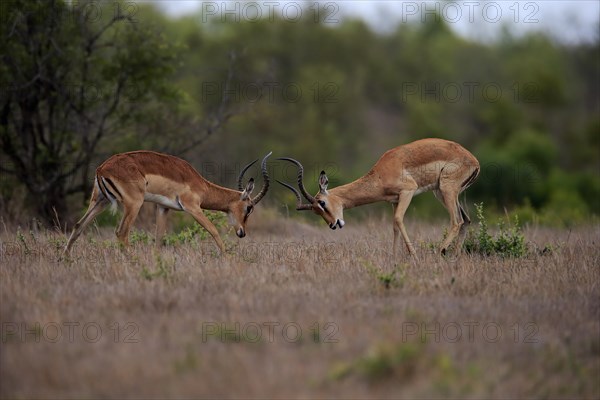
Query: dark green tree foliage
[[72, 76]]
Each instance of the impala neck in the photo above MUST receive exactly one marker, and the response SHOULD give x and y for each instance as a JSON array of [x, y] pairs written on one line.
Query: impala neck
[[218, 198], [364, 190]]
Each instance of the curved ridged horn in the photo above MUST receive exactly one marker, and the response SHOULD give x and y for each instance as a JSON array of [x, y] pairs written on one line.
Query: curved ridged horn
[[306, 195], [265, 175], [241, 177], [299, 205]]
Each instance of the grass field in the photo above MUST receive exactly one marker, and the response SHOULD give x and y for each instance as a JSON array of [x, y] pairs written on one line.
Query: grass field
[[297, 310]]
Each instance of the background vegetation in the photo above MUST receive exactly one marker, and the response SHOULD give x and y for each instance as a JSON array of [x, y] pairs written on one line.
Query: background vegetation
[[79, 85]]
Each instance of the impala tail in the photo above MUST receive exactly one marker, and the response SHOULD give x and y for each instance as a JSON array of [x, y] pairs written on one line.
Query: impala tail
[[109, 191]]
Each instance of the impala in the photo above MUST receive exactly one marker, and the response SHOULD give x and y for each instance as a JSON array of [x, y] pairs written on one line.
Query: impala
[[439, 165], [171, 183]]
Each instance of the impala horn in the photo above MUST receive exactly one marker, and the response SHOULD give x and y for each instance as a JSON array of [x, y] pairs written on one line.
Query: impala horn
[[241, 177], [299, 205], [265, 174]]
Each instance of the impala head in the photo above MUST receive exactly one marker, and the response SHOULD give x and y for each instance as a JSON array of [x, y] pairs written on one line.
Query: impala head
[[241, 209], [327, 205]]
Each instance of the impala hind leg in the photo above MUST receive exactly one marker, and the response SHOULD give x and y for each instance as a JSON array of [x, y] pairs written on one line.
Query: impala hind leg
[[400, 208], [161, 224], [449, 198], [462, 233], [97, 204], [131, 210]]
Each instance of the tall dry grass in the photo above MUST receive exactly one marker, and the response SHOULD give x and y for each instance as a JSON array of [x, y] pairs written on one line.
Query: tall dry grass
[[180, 322]]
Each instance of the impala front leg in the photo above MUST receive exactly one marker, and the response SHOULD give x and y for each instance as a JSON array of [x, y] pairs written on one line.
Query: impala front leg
[[206, 224], [396, 232], [404, 199]]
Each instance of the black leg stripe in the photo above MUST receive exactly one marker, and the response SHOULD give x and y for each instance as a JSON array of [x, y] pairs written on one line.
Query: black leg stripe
[[108, 193], [112, 185], [470, 179], [101, 187]]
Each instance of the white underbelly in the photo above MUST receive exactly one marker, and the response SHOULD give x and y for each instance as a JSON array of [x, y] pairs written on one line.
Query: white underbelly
[[163, 201]]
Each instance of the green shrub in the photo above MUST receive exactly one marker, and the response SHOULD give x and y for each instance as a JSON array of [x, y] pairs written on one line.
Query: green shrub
[[189, 234], [508, 242]]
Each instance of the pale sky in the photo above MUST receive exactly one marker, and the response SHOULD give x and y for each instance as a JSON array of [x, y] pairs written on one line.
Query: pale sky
[[568, 21]]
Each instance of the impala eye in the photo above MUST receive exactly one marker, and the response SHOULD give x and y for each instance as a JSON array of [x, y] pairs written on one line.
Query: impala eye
[[322, 204], [248, 212]]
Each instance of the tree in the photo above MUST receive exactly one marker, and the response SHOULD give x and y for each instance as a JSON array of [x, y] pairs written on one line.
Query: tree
[[72, 75]]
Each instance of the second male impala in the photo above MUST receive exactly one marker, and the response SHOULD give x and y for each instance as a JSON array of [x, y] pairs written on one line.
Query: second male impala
[[439, 165]]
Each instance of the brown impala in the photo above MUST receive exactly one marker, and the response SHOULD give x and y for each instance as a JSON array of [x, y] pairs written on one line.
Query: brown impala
[[445, 167], [132, 178]]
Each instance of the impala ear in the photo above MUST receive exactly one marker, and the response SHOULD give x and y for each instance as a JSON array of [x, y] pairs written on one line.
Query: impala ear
[[249, 188], [323, 182]]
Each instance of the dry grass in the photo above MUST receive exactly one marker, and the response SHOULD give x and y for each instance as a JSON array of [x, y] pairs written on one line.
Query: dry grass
[[528, 327]]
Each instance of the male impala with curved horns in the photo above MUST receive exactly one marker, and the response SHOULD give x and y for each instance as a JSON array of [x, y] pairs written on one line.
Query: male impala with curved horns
[[445, 167], [132, 178]]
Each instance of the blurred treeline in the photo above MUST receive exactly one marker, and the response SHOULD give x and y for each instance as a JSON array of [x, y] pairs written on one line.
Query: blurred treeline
[[336, 96]]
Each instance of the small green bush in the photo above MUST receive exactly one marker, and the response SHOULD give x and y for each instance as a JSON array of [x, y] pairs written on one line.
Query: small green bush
[[508, 242], [189, 234]]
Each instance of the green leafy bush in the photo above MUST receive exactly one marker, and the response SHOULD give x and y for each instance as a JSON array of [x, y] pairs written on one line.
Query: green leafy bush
[[189, 234], [509, 241]]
